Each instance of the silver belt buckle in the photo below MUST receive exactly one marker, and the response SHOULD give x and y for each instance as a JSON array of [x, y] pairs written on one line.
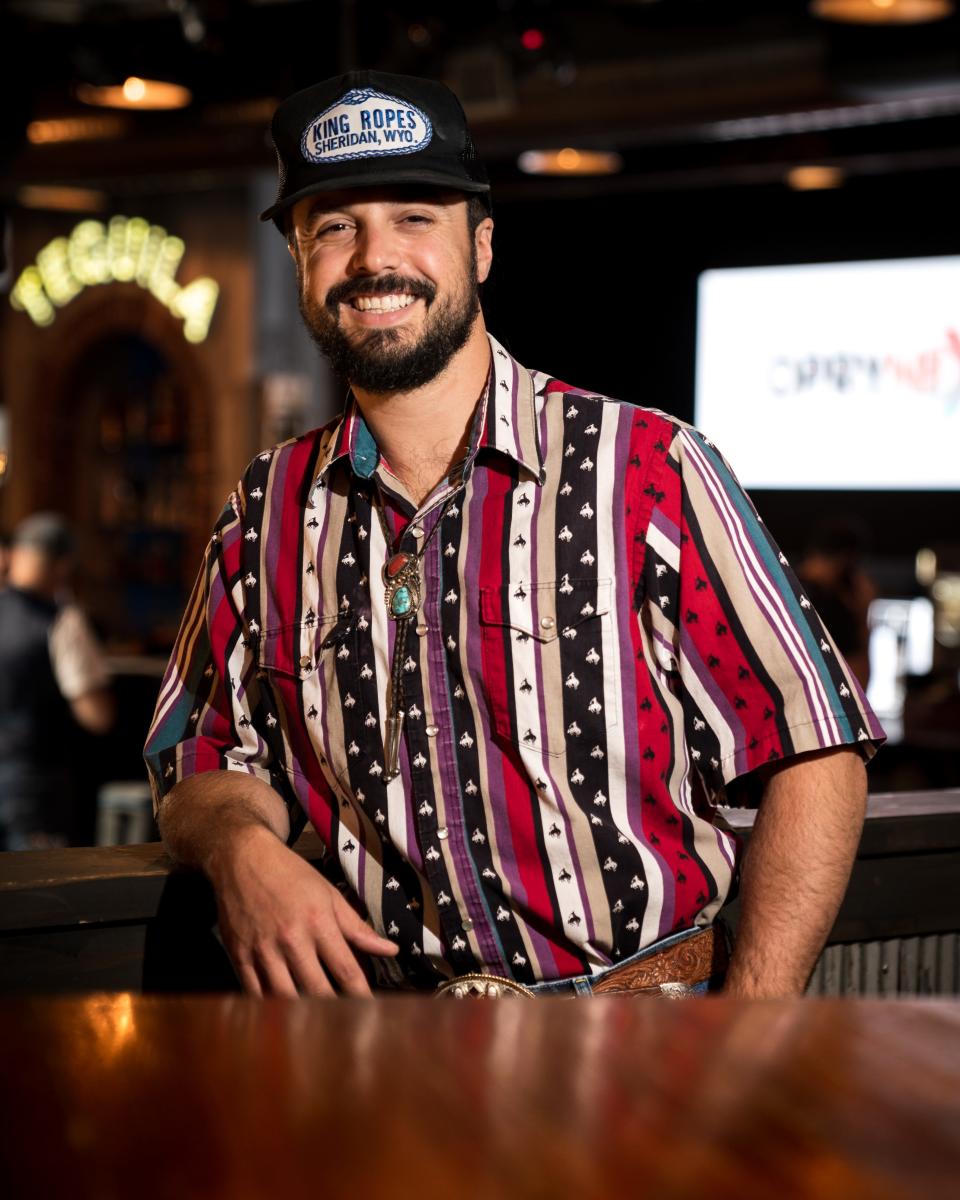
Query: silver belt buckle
[[674, 990], [478, 986]]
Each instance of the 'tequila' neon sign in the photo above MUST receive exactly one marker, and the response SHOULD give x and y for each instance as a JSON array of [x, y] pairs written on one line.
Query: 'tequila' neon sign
[[125, 250]]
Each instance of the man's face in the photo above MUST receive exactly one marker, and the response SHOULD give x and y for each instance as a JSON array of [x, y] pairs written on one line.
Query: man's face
[[388, 281]]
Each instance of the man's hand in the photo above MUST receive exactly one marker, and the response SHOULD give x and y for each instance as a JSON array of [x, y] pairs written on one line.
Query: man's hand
[[287, 930], [95, 711]]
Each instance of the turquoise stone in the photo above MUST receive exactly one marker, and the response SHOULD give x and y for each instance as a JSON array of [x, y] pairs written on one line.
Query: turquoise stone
[[402, 602]]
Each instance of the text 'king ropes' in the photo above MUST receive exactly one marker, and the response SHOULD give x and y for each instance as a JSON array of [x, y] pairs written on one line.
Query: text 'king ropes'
[[365, 124]]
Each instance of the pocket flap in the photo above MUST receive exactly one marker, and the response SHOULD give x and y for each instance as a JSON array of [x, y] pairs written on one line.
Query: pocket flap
[[296, 650], [546, 611]]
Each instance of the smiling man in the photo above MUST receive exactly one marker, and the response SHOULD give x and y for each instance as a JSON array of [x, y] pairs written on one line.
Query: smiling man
[[506, 643]]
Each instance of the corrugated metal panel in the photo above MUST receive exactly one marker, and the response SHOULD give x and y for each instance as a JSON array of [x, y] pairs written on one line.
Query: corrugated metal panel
[[915, 966]]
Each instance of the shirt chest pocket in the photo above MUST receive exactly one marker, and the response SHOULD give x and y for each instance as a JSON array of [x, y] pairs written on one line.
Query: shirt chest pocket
[[548, 660], [311, 679]]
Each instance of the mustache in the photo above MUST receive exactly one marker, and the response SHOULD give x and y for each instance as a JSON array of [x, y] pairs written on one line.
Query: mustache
[[379, 285]]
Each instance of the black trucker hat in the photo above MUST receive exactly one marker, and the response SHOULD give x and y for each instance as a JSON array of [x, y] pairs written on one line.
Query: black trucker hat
[[368, 128]]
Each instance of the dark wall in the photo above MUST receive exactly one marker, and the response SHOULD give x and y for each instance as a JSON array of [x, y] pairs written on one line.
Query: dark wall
[[601, 291]]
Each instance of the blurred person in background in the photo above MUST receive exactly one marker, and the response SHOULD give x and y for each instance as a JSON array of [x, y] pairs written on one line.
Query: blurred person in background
[[53, 678], [840, 589], [4, 557]]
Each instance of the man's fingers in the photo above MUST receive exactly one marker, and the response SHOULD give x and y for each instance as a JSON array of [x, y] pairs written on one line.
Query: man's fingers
[[309, 974], [338, 959], [250, 980], [358, 932], [275, 977], [364, 938]]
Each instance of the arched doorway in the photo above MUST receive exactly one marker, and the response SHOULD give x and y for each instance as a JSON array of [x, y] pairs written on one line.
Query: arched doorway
[[127, 443], [136, 496]]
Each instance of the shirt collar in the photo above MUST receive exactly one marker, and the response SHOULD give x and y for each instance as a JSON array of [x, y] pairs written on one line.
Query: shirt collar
[[506, 423], [348, 437], [510, 424]]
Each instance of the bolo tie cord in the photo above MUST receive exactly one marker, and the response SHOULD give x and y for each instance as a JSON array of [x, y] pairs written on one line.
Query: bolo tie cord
[[401, 578]]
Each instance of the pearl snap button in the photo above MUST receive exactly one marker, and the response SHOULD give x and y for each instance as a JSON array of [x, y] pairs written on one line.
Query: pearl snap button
[[432, 730], [423, 630], [466, 925], [416, 530], [443, 833], [547, 622]]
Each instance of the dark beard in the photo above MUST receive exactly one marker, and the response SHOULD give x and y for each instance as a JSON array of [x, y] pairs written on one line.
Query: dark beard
[[383, 360]]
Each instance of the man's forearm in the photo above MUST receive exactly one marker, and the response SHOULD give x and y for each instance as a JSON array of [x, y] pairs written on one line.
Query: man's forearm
[[203, 815], [796, 871]]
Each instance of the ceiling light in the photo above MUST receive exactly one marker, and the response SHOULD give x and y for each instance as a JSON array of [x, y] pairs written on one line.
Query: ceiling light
[[135, 92], [883, 112], [569, 161], [63, 199], [75, 129], [814, 178], [882, 12]]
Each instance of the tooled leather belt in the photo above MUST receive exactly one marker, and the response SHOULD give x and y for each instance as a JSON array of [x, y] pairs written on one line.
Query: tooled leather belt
[[669, 972]]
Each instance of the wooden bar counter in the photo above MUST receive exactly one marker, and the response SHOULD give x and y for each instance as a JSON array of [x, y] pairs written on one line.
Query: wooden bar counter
[[117, 1095]]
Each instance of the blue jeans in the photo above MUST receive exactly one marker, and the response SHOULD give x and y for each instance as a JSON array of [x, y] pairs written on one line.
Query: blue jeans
[[582, 985]]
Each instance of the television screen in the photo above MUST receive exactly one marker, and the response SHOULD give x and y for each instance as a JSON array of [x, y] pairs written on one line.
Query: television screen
[[901, 644], [833, 375]]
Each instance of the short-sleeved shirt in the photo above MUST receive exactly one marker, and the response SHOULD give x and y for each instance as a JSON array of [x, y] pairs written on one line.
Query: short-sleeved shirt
[[608, 636]]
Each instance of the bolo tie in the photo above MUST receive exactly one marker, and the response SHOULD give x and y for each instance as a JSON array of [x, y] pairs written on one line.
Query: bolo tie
[[401, 581]]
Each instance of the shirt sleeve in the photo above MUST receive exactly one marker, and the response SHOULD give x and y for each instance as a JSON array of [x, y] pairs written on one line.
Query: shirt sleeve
[[757, 674], [77, 658], [205, 718]]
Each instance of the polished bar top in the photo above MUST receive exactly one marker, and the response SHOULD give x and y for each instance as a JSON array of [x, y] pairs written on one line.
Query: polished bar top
[[115, 1096]]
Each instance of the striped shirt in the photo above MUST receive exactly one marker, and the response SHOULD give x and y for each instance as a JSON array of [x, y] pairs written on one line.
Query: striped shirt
[[608, 636]]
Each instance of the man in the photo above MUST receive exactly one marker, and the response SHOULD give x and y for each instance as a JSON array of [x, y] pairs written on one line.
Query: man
[[503, 641], [52, 675]]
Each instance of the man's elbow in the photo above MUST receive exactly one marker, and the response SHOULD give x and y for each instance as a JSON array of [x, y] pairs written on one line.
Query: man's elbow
[[219, 803]]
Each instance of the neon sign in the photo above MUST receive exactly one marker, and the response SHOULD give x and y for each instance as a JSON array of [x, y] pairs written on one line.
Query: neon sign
[[126, 250]]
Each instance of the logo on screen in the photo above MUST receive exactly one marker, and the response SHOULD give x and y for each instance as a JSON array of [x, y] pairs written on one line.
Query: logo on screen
[[933, 372]]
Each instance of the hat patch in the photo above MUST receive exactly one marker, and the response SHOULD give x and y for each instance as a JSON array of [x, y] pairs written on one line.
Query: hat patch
[[365, 124]]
